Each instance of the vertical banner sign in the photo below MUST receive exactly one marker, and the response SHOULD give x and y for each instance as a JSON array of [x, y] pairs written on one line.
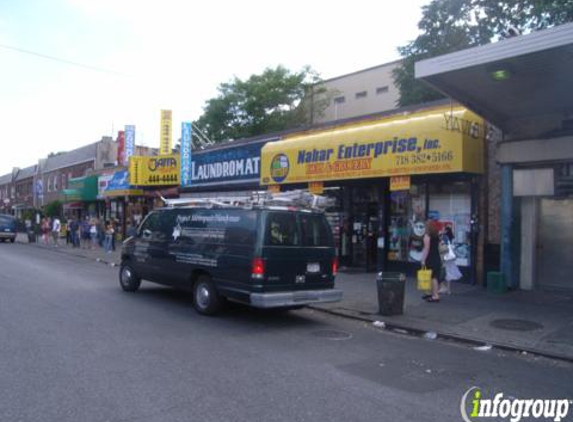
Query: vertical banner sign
[[120, 147], [129, 147], [186, 154], [165, 133]]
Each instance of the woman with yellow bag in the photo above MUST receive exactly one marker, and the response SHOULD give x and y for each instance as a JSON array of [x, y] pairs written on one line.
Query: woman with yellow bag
[[431, 259]]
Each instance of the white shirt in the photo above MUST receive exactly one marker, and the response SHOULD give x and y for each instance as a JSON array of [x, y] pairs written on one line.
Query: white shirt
[[56, 225]]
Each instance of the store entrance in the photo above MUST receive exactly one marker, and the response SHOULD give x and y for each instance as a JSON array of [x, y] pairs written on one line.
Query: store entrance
[[364, 227], [554, 244]]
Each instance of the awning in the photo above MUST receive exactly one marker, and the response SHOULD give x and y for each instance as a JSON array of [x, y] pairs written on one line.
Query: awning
[[71, 194], [523, 84], [119, 186], [74, 206], [434, 140]]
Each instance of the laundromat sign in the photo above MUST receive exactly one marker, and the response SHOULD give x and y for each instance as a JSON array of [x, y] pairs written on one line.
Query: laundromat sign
[[440, 140]]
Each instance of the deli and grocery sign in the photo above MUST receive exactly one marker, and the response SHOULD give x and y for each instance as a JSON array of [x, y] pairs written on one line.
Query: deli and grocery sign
[[161, 170], [439, 140]]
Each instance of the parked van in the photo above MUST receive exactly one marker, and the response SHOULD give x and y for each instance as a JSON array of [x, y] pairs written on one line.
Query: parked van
[[7, 228], [267, 257]]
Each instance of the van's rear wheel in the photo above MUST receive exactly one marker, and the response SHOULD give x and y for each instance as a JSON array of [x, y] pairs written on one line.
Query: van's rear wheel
[[206, 300], [128, 279]]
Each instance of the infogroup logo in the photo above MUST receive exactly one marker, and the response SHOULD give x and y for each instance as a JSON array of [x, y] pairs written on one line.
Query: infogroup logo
[[511, 408]]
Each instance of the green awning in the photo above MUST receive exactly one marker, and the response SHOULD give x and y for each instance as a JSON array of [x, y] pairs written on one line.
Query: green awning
[[71, 195], [82, 188]]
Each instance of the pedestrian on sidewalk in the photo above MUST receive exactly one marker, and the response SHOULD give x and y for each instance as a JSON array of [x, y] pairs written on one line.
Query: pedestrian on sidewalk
[[93, 232], [115, 225], [85, 232], [109, 233], [431, 259], [73, 229], [46, 230], [56, 227]]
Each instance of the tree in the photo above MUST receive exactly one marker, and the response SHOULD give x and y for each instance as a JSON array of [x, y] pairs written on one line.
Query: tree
[[53, 209], [275, 100], [452, 25]]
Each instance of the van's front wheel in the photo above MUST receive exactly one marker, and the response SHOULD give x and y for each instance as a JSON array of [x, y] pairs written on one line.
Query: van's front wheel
[[206, 300], [128, 279]]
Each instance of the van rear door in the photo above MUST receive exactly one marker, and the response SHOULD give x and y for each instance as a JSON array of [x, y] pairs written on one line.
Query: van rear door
[[297, 251]]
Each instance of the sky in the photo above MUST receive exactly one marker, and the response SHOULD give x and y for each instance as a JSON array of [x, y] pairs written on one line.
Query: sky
[[139, 57]]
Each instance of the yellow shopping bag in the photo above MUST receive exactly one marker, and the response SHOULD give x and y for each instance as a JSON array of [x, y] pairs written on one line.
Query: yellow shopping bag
[[424, 279]]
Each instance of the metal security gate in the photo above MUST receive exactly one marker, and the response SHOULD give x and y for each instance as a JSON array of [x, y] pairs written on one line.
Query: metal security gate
[[555, 244]]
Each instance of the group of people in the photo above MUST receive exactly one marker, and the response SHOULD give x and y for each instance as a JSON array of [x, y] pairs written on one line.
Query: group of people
[[436, 246], [87, 233]]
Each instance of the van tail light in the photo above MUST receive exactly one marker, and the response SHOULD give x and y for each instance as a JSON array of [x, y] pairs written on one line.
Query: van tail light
[[335, 266], [258, 268]]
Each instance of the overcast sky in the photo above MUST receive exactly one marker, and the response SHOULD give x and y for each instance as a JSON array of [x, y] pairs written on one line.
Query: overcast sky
[[166, 54]]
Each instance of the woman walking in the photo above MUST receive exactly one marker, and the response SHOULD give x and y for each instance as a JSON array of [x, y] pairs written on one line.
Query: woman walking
[[109, 233], [431, 259]]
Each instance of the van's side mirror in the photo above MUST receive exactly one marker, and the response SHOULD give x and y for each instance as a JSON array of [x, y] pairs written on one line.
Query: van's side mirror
[[146, 234]]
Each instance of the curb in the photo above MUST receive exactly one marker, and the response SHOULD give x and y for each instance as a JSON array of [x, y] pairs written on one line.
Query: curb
[[65, 252], [467, 340]]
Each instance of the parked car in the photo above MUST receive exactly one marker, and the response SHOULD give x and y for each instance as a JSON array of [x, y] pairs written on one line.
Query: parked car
[[272, 257], [7, 228]]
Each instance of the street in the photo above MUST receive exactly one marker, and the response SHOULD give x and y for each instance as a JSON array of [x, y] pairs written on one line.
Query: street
[[75, 347]]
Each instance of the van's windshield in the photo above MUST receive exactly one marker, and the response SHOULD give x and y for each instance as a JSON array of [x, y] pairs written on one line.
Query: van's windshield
[[293, 229]]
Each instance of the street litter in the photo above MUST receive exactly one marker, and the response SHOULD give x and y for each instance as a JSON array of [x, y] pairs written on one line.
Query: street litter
[[379, 324], [400, 331], [431, 335], [484, 348]]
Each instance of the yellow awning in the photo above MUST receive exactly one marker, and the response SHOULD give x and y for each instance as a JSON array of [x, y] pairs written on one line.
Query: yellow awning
[[437, 140]]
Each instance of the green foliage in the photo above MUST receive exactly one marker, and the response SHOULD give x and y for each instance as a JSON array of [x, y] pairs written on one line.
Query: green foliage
[[272, 101], [452, 25], [53, 209]]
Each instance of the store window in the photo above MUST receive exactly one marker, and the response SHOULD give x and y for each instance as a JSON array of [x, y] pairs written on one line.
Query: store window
[[450, 206], [407, 224]]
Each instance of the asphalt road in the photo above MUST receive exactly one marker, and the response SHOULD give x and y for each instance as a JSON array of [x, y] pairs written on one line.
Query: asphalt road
[[75, 347]]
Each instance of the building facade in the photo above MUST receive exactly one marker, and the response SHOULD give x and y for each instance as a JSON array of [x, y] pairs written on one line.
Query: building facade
[[523, 86], [359, 93]]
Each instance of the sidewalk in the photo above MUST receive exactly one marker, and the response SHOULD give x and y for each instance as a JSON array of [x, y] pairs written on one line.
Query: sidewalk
[[96, 254], [538, 322]]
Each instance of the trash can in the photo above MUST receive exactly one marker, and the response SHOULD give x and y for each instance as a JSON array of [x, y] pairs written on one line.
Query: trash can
[[391, 287], [496, 282]]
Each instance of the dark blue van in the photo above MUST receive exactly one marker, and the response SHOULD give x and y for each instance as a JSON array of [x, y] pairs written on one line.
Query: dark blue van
[[7, 228], [270, 257]]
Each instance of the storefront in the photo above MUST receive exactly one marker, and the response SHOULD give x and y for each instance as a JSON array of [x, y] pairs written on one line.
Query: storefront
[[80, 196], [229, 169], [523, 85], [124, 203], [388, 176]]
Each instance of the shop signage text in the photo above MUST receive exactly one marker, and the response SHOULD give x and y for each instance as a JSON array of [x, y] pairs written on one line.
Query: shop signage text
[[129, 148], [415, 144], [165, 133], [399, 183], [186, 134], [154, 171], [241, 163]]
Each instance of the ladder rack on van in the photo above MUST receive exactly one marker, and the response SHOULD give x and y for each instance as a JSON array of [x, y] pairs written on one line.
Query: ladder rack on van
[[296, 198]]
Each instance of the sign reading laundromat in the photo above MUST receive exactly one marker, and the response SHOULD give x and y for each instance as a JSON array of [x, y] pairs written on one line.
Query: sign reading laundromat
[[419, 143], [239, 163]]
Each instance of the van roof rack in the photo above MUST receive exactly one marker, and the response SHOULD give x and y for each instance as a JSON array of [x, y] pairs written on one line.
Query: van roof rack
[[300, 199]]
